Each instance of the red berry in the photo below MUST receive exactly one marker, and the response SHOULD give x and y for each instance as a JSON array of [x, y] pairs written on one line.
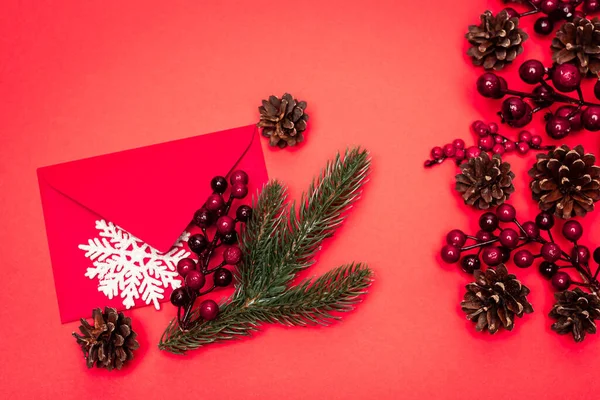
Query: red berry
[[437, 153], [498, 139], [185, 265], [509, 238], [511, 12], [492, 256], [543, 26], [498, 149], [513, 109], [524, 136], [591, 118], [243, 213], [458, 144], [456, 237], [486, 143], [222, 277], [214, 202], [566, 77], [203, 218], [549, 6], [473, 152], [460, 155], [450, 254], [179, 297], [195, 280], [225, 225], [550, 252], [239, 191], [209, 310], [470, 263], [483, 236], [488, 222], [531, 229], [232, 255], [509, 146], [219, 184], [493, 128], [558, 127], [561, 281], [449, 150], [536, 140], [506, 212], [523, 258], [519, 123], [490, 85], [581, 254], [238, 176], [197, 243], [572, 230], [532, 71], [522, 147]]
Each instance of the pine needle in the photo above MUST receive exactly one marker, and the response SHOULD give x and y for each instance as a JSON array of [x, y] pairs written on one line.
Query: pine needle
[[279, 242]]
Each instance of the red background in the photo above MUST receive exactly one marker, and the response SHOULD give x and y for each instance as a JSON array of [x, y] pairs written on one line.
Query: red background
[[85, 78]]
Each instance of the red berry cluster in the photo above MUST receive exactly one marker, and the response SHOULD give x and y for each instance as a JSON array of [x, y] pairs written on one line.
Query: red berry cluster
[[494, 245], [489, 140], [194, 272], [575, 115], [554, 11]]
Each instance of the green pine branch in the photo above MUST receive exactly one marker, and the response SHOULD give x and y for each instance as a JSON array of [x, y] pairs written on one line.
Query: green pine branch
[[277, 243]]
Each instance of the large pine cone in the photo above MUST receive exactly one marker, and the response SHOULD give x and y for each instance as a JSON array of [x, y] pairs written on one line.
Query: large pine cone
[[566, 182], [110, 342], [494, 299], [485, 182], [497, 41], [283, 120], [578, 42], [576, 312]]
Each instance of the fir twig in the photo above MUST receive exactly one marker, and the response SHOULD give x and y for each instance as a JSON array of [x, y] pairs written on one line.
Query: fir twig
[[277, 243]]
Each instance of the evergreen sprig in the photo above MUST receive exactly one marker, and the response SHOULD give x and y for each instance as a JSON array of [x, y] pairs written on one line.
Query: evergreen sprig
[[277, 243]]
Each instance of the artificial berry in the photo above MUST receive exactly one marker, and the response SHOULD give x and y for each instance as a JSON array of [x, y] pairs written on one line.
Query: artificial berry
[[544, 95], [591, 6], [230, 238], [219, 184], [509, 146], [548, 269], [450, 254], [225, 225], [566, 77], [532, 71], [511, 12], [490, 85], [223, 277], [544, 221], [591, 118], [523, 258], [492, 256], [550, 252], [565, 10], [480, 128], [561, 281], [498, 149], [513, 109], [456, 237], [509, 238], [243, 213], [449, 150], [558, 127], [522, 148], [483, 236], [460, 155], [493, 128], [486, 143], [506, 212], [470, 263], [488, 222], [239, 190], [238, 176], [524, 136], [458, 144], [209, 310], [531, 229], [233, 255], [519, 123], [179, 297], [597, 255], [437, 153], [498, 139], [185, 265], [536, 140], [195, 280], [197, 243], [581, 254], [572, 230], [549, 6], [203, 218], [504, 254], [214, 202], [473, 152], [543, 26]]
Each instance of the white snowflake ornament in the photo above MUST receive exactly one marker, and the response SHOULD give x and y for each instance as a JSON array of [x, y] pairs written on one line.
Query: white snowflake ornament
[[127, 267]]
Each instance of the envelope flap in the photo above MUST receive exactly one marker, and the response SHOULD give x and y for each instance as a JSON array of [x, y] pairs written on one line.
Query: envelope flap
[[135, 188]]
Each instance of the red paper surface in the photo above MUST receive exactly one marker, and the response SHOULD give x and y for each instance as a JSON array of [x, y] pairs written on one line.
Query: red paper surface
[[80, 79], [151, 192]]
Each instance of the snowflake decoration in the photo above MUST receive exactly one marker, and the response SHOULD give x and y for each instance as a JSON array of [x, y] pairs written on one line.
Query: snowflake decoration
[[127, 267]]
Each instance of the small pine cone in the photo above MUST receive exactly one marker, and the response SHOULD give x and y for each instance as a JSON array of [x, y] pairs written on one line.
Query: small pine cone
[[283, 120], [494, 299], [497, 41], [578, 42], [565, 182], [110, 342], [485, 182], [575, 312]]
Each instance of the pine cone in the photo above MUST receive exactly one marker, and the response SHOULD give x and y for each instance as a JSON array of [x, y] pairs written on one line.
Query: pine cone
[[497, 41], [576, 312], [565, 182], [109, 342], [283, 120], [485, 182], [494, 299], [578, 42]]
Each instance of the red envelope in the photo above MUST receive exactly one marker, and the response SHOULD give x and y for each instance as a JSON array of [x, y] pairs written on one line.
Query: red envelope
[[112, 221]]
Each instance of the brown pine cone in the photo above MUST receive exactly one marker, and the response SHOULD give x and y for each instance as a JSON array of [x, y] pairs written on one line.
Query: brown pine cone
[[283, 120], [110, 342], [576, 312], [494, 299], [485, 182], [565, 182], [496, 41], [578, 42]]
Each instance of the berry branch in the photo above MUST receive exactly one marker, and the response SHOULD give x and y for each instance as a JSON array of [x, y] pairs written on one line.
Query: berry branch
[[276, 244]]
